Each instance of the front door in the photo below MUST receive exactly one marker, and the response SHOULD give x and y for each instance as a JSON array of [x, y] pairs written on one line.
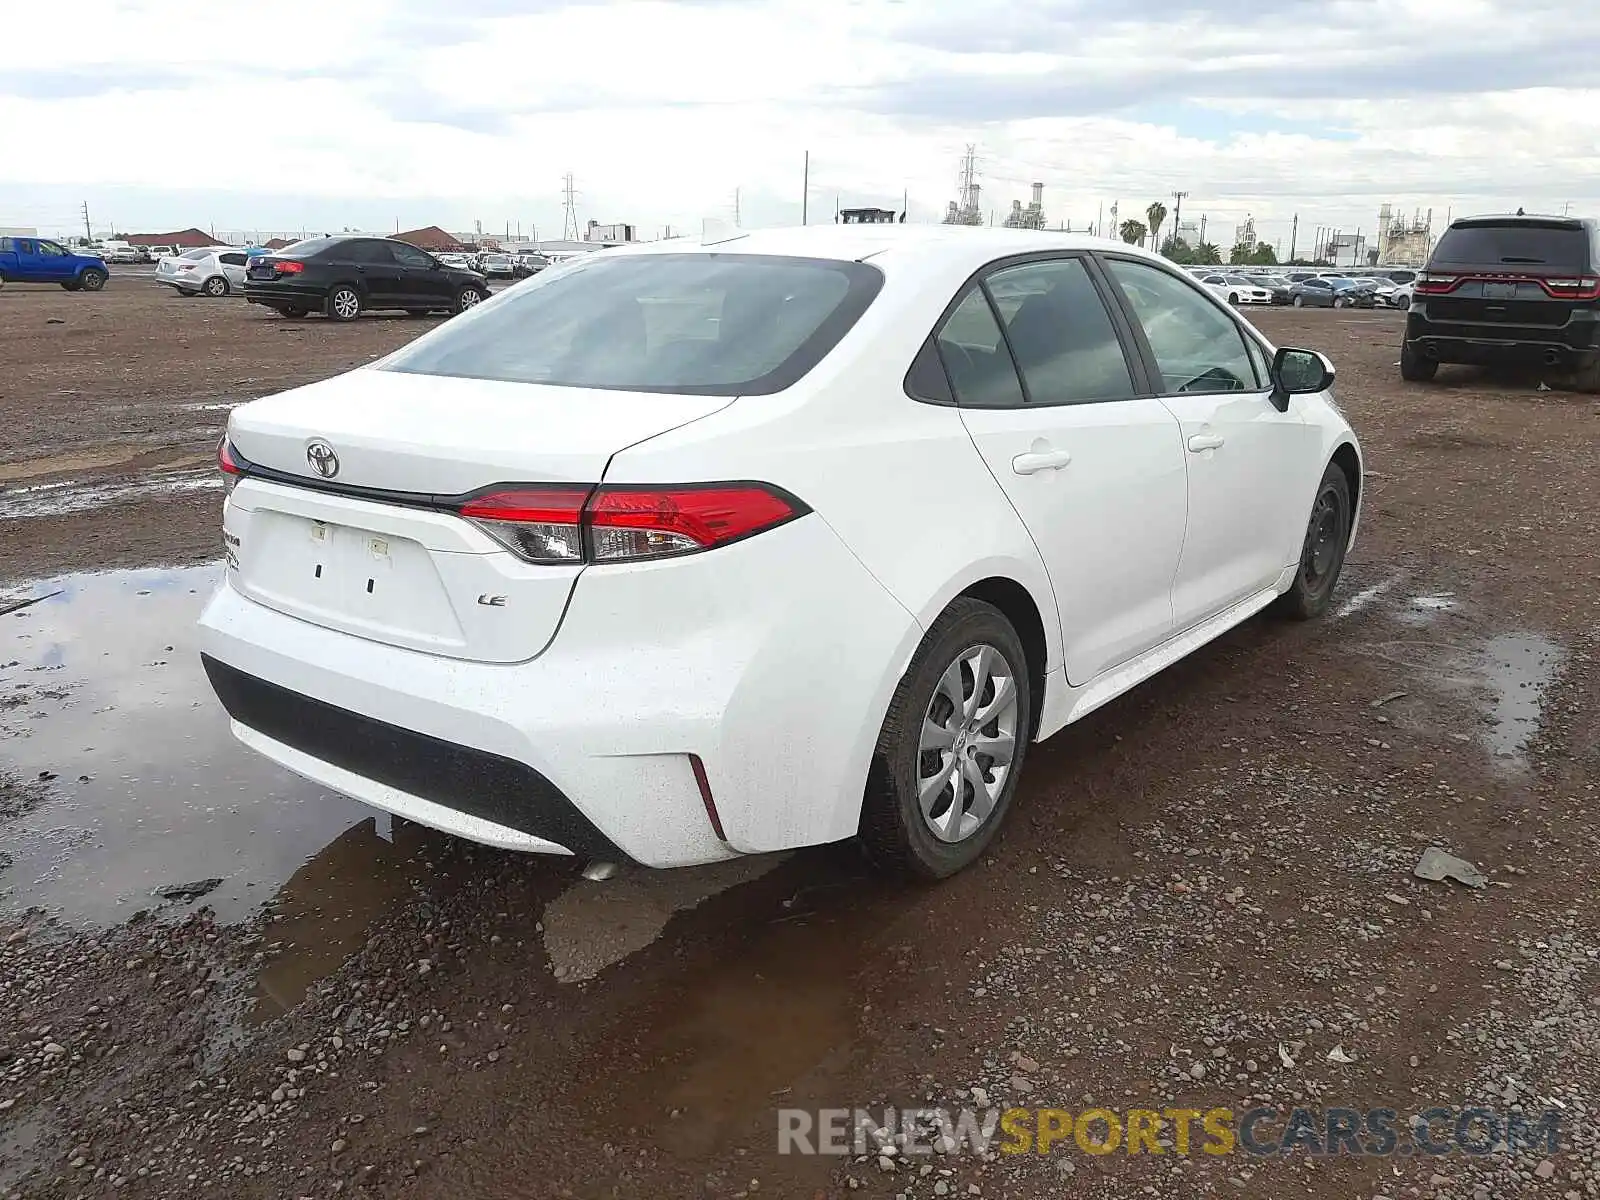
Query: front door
[[421, 277], [1247, 462], [1092, 465], [55, 264]]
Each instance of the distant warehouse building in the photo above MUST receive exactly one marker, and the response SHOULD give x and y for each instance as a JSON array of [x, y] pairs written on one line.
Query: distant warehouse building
[[433, 239], [18, 231], [184, 239]]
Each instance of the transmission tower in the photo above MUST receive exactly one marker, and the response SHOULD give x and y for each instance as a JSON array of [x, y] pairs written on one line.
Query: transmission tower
[[569, 218]]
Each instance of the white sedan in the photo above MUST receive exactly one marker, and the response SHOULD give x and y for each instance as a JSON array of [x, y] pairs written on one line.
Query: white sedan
[[1236, 289], [683, 551], [212, 270]]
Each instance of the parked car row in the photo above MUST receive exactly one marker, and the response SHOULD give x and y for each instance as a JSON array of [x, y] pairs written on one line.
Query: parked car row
[[1308, 289]]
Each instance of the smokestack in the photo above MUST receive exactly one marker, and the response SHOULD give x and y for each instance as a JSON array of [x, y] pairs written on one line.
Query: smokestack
[[1038, 195]]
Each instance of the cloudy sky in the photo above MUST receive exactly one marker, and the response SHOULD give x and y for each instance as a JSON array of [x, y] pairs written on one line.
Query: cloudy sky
[[371, 113]]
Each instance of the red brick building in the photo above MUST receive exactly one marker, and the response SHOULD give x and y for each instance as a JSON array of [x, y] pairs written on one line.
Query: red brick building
[[186, 239]]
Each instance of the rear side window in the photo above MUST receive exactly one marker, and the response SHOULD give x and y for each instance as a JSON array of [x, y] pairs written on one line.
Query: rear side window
[[1066, 348], [975, 356], [306, 248], [1514, 243], [197, 255], [692, 324], [233, 260]]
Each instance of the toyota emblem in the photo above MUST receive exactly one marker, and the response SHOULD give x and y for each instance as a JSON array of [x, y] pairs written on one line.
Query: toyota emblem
[[322, 458]]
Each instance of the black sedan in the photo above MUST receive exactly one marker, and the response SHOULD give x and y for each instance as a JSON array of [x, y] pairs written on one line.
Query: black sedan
[[1332, 292], [346, 276]]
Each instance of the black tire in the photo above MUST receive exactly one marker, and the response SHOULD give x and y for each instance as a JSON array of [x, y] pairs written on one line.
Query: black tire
[[70, 285], [1299, 301], [470, 297], [893, 828], [1233, 299], [1322, 552], [1585, 379], [217, 285], [344, 303], [91, 280], [1414, 368], [293, 311]]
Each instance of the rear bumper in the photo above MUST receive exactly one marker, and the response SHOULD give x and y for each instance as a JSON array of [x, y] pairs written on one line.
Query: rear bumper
[[1501, 351], [276, 295], [772, 661]]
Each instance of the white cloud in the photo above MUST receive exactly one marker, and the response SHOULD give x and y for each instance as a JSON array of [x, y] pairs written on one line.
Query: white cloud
[[368, 112]]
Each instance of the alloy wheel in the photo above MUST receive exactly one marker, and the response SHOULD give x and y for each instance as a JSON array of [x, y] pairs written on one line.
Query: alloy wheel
[[967, 743], [346, 304], [469, 298]]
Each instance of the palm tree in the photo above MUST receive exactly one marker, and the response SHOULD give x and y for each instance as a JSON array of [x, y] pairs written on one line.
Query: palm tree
[[1133, 232], [1157, 212]]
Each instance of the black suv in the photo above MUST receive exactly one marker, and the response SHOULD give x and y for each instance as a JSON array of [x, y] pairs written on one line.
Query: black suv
[[346, 276], [1516, 290]]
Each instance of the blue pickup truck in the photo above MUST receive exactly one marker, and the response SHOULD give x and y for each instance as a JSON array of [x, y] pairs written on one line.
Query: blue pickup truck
[[39, 260]]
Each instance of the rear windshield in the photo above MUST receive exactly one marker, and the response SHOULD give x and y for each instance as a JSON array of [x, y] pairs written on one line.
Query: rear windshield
[[202, 252], [306, 248], [695, 324], [1515, 243]]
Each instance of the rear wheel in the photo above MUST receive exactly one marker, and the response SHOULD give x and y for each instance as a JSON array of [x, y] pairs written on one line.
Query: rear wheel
[[1585, 379], [344, 303], [215, 286], [952, 746], [1299, 301], [1322, 554], [294, 311], [92, 280], [1414, 368], [470, 297]]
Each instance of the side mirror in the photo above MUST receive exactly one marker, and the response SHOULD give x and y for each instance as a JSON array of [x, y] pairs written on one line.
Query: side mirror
[[1298, 373]]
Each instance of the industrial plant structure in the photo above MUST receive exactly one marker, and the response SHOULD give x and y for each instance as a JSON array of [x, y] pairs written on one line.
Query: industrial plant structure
[[1402, 243], [966, 210], [1031, 217]]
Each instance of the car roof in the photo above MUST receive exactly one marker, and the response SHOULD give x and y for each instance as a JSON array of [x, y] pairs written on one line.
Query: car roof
[[952, 245]]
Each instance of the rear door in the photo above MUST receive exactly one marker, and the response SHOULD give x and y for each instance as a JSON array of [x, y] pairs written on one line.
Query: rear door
[[377, 270], [1091, 461], [233, 264], [1247, 463]]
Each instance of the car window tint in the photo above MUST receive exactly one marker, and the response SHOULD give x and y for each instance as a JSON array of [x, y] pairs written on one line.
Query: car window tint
[[1261, 361], [51, 250], [6, 245], [1065, 345], [233, 260], [1197, 346], [975, 356], [376, 253], [409, 256], [703, 324]]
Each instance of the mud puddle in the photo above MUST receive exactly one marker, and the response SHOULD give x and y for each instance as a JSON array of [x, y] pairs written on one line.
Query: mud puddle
[[1520, 669], [72, 496], [102, 698]]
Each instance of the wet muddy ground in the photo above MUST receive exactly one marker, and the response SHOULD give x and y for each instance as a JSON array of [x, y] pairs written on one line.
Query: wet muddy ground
[[1204, 897]]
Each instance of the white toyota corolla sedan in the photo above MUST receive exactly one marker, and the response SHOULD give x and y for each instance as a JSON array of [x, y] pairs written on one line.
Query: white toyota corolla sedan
[[686, 550]]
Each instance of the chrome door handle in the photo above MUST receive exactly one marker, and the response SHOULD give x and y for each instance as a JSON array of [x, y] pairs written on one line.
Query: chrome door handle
[[1044, 460], [1205, 441]]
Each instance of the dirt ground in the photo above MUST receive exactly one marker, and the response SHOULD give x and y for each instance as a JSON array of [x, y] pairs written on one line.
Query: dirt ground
[[1204, 898]]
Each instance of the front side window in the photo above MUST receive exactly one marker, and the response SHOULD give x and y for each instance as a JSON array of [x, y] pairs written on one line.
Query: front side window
[[409, 256], [975, 356], [51, 250], [1196, 345], [1065, 345], [696, 324]]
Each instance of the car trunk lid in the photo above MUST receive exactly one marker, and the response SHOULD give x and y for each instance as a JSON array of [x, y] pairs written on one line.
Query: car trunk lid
[[346, 516]]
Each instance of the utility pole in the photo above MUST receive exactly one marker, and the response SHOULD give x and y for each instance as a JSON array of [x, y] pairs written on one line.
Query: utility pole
[[1099, 217], [736, 208], [569, 217], [905, 203], [805, 190], [1294, 230], [1566, 208], [1202, 227], [1116, 232], [88, 234], [1177, 212]]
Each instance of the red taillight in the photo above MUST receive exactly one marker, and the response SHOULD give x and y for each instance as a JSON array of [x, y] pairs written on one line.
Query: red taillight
[[634, 523], [227, 460], [288, 267], [1584, 288], [537, 524], [1430, 284], [566, 524]]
